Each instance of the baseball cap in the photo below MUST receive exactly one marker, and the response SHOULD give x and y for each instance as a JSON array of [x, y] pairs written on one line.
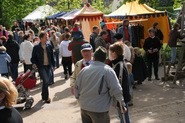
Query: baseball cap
[[86, 46]]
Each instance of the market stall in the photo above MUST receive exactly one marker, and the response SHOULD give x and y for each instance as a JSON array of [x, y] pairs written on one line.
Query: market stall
[[59, 14], [39, 14], [87, 17], [138, 13]]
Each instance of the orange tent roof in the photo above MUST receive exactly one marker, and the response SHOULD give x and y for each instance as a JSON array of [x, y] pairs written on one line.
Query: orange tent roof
[[134, 8], [88, 12]]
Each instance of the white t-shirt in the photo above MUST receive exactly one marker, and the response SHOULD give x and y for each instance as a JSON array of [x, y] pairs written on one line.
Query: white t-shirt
[[127, 53], [64, 52]]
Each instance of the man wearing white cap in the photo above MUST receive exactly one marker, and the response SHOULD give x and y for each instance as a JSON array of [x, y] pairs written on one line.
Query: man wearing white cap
[[86, 51], [95, 88]]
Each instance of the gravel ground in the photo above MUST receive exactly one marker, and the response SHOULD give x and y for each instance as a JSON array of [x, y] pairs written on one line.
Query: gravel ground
[[153, 103]]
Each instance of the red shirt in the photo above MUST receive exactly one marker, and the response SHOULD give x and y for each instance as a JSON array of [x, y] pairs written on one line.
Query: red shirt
[[127, 36], [108, 39]]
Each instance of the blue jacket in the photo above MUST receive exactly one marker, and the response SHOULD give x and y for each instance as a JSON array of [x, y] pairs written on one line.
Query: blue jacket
[[121, 30], [4, 60], [38, 55]]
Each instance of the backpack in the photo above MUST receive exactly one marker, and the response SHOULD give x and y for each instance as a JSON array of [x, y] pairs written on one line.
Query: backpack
[[123, 78], [120, 71]]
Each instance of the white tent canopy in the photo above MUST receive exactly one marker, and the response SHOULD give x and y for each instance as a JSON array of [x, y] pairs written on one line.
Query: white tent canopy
[[40, 13]]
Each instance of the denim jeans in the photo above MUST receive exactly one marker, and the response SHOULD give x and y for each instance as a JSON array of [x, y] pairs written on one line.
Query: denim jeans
[[44, 73], [14, 70], [127, 119], [51, 77], [56, 56], [173, 54]]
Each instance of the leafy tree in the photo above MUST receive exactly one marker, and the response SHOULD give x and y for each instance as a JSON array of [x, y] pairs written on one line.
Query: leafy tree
[[64, 5], [17, 9], [98, 4], [159, 4], [177, 3]]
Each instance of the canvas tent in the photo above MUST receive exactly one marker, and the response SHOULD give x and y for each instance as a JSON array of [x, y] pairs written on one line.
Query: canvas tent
[[56, 15], [69, 15], [135, 11], [87, 17], [39, 14]]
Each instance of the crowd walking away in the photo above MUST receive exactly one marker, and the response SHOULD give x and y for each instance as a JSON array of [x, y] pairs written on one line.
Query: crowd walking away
[[102, 70]]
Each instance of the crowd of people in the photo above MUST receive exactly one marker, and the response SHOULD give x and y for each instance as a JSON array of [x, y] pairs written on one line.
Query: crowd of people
[[106, 66]]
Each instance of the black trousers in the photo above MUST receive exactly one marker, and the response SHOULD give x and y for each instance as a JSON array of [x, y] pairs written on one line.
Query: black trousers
[[27, 66], [153, 61], [94, 117], [67, 65], [5, 75]]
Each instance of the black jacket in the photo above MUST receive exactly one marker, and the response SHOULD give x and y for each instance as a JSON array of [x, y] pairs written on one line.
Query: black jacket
[[10, 115], [173, 37], [139, 69], [93, 36], [38, 55], [125, 80], [12, 48], [159, 34], [151, 44]]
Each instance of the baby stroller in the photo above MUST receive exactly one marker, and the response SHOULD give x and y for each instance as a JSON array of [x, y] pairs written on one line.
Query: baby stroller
[[24, 82]]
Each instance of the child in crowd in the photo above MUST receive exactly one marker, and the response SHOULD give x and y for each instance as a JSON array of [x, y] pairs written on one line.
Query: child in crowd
[[139, 68], [36, 40], [131, 82], [77, 33], [66, 56], [131, 51]]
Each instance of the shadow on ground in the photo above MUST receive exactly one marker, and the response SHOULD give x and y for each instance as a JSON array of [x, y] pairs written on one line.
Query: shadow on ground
[[62, 95], [27, 112]]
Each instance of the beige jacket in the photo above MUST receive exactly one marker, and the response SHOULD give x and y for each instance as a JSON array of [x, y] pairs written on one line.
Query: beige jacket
[[76, 72]]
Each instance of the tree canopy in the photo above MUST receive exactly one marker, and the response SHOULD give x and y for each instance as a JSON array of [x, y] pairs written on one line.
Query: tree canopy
[[64, 5], [17, 9]]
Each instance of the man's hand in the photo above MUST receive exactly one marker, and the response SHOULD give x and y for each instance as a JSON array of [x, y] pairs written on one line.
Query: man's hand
[[122, 107], [155, 50], [54, 69], [124, 110], [150, 51], [34, 66], [72, 90]]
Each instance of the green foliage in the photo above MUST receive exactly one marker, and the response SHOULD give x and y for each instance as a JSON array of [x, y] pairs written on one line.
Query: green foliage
[[98, 5], [165, 3], [64, 5], [177, 3], [167, 8], [17, 9], [155, 3]]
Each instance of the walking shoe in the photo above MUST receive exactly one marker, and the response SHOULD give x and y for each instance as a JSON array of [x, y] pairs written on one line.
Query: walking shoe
[[139, 83], [130, 104], [48, 100], [157, 78], [66, 77], [149, 79]]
